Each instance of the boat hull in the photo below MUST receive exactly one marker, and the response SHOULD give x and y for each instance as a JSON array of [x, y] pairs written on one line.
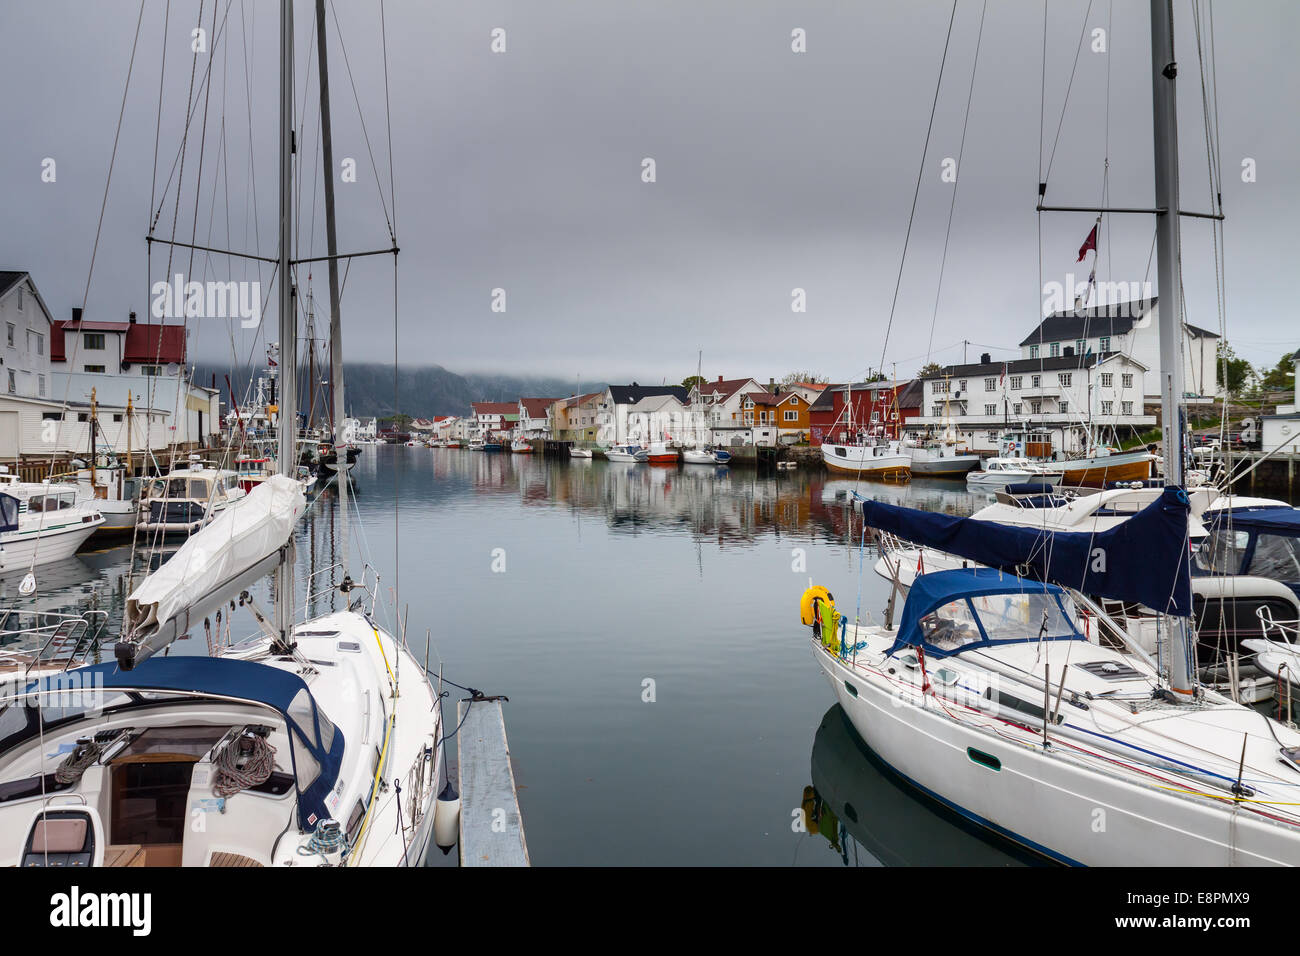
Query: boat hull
[[938, 466], [860, 461], [1046, 803], [22, 550], [1097, 472]]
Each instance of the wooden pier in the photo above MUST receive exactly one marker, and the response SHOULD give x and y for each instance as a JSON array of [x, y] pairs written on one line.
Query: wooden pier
[[491, 826]]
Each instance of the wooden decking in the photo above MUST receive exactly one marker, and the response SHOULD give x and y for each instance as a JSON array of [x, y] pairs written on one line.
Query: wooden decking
[[491, 827]]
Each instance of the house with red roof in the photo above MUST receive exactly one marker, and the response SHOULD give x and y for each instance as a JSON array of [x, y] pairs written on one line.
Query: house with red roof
[[492, 418], [535, 417]]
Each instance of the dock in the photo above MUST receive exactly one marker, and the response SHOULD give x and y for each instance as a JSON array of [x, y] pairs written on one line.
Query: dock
[[491, 826]]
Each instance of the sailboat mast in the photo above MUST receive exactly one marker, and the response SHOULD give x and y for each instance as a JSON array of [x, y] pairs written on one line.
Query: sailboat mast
[[336, 318], [1169, 274], [288, 421]]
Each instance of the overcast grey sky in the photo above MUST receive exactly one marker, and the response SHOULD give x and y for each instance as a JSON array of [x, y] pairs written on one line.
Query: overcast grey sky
[[775, 170]]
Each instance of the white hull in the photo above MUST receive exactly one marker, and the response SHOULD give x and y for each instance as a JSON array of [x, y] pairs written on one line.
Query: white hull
[[928, 461], [23, 549], [579, 452], [1047, 801], [868, 461]]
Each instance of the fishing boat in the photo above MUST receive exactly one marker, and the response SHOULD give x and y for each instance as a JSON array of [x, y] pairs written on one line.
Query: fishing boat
[[521, 446], [660, 453], [632, 452], [883, 460], [937, 457], [476, 444]]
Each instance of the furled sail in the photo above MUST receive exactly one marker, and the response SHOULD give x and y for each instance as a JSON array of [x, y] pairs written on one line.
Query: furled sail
[[1145, 559], [242, 544]]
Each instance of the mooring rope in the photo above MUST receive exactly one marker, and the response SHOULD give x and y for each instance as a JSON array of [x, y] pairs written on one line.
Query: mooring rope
[[232, 778]]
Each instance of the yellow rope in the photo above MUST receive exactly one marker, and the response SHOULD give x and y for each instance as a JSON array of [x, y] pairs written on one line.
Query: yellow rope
[[374, 792], [1216, 796]]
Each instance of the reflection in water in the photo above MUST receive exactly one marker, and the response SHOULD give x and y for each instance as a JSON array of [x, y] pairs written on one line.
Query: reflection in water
[[870, 817]]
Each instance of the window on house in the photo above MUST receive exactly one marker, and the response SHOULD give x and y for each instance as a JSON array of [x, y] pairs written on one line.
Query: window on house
[[991, 436], [83, 417], [990, 385], [1107, 379], [52, 416], [1103, 343], [990, 409], [791, 416], [937, 411], [92, 340], [13, 383], [1054, 349], [961, 386], [1033, 351], [941, 388], [1065, 407], [1127, 379], [1064, 378], [20, 298], [1035, 408], [95, 368], [40, 344], [1035, 381], [1015, 409], [1108, 408], [40, 385], [10, 331], [875, 416], [150, 369], [1126, 407], [1016, 380], [1081, 346]]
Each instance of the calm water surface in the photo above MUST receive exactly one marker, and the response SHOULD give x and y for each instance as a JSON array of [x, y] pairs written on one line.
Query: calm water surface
[[577, 588]]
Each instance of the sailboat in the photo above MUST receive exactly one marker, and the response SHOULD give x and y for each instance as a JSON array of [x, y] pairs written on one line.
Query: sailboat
[[319, 742], [995, 696]]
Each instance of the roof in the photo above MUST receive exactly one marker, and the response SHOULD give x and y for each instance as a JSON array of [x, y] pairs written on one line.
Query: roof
[[537, 407], [495, 408], [581, 399], [765, 398], [1020, 366], [825, 401], [817, 386], [149, 344], [725, 387], [1116, 318], [231, 678], [9, 279], [631, 394], [912, 396]]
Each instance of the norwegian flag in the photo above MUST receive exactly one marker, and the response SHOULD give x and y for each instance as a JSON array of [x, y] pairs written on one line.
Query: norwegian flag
[[1083, 296], [1089, 244]]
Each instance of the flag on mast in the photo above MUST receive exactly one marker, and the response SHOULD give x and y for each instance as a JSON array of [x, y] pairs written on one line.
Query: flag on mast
[[1089, 244]]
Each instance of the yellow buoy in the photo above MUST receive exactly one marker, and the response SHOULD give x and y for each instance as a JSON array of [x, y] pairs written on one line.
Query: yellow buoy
[[807, 615]]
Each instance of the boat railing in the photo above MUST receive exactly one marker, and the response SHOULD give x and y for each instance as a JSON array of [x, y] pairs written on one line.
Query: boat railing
[[369, 585], [62, 638]]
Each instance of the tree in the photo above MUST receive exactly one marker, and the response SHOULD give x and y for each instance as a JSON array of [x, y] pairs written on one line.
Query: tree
[[690, 381], [810, 377], [930, 368], [1281, 377], [1238, 375]]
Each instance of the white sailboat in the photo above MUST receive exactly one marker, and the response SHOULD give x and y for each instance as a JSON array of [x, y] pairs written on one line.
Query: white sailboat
[[286, 744], [990, 697]]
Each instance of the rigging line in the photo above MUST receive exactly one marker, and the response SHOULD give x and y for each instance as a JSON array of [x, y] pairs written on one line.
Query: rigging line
[[157, 133], [388, 114], [952, 206], [1083, 32], [338, 32], [920, 172], [203, 139]]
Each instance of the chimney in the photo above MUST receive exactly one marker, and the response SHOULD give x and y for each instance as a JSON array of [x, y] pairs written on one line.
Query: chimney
[[1069, 351], [771, 385], [985, 358], [131, 318], [76, 314]]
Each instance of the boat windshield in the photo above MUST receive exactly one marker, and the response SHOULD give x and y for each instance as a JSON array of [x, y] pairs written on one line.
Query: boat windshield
[[999, 618], [1276, 556]]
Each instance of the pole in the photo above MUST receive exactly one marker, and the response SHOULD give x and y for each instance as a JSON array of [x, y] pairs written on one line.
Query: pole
[[288, 420], [336, 318], [1164, 111]]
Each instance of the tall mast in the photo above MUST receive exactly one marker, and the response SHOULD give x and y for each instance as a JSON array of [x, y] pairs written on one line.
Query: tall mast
[[1169, 274], [339, 411], [288, 420]]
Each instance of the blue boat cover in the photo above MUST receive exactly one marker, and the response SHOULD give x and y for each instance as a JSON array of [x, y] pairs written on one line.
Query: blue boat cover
[[932, 591], [1144, 559], [1280, 520], [241, 680]]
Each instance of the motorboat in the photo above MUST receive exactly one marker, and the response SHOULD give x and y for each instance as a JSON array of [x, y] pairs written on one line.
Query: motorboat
[[576, 452], [997, 473], [42, 527], [186, 499], [939, 458], [660, 453], [632, 452], [521, 446]]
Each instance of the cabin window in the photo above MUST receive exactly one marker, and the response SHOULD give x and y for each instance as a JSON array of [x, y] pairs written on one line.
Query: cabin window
[[1276, 557], [951, 626], [93, 341], [1222, 552]]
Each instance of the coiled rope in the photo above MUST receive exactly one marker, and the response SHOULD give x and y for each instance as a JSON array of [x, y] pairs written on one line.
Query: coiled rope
[[77, 762], [232, 778]]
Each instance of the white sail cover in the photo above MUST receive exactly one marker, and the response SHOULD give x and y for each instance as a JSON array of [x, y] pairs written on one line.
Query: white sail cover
[[214, 562]]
